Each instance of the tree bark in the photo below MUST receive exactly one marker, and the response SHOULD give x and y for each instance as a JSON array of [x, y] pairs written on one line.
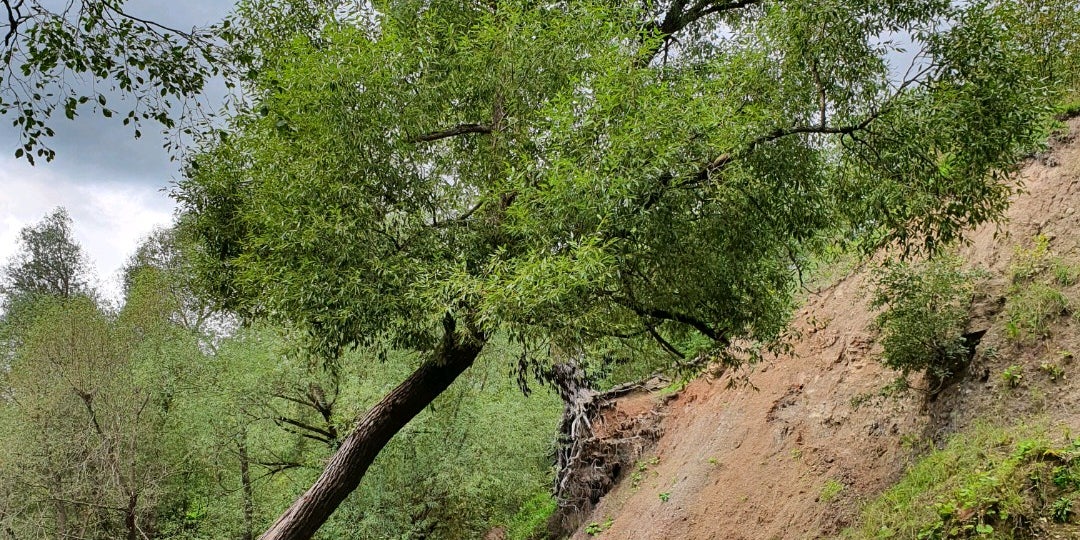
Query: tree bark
[[348, 465], [248, 492]]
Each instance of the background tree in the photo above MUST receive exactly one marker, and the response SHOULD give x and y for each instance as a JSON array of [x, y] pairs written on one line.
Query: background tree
[[162, 253], [49, 262], [86, 416], [588, 175]]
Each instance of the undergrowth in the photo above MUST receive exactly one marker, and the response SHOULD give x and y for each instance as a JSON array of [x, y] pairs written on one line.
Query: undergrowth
[[989, 482], [1035, 299], [531, 520]]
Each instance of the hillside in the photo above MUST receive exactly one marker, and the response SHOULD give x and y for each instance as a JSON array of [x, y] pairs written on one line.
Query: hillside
[[793, 458]]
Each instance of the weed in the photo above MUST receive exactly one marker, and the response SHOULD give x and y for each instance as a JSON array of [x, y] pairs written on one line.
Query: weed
[[1054, 371], [1028, 263], [796, 454], [642, 469], [595, 528], [911, 442], [665, 496], [1065, 274], [830, 490], [1013, 376], [1061, 509]]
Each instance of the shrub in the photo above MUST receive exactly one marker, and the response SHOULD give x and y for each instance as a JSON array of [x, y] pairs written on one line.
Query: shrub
[[925, 310]]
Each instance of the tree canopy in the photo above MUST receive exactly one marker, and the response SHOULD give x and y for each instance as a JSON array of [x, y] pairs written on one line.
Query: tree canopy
[[67, 57], [580, 175], [569, 172]]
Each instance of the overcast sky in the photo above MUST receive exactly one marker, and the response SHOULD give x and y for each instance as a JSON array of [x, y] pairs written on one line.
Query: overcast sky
[[114, 186]]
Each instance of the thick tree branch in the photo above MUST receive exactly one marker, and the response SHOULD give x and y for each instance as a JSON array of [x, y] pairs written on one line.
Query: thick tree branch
[[678, 17], [460, 129], [662, 314], [15, 18], [724, 159], [665, 344], [327, 436]]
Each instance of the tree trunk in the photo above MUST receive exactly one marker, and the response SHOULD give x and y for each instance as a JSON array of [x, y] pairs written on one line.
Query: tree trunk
[[248, 492], [372, 432]]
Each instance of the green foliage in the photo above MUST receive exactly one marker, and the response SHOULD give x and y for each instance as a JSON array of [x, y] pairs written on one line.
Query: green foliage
[[1061, 510], [530, 522], [986, 482], [924, 312], [50, 52], [593, 198]]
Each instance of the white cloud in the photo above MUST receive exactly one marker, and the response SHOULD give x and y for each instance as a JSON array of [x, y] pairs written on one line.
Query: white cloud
[[110, 218]]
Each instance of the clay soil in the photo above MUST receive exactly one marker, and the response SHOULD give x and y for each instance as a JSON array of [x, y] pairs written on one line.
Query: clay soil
[[791, 457]]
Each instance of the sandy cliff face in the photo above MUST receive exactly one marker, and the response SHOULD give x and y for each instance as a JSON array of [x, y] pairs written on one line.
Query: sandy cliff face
[[794, 458]]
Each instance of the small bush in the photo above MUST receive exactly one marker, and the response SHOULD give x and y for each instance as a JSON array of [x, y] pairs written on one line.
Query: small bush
[[925, 309]]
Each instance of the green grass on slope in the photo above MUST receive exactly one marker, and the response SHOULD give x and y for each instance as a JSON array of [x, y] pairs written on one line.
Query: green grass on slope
[[986, 483]]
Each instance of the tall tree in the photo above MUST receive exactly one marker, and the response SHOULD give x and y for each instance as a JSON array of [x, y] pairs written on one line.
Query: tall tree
[[425, 175], [162, 252], [50, 262]]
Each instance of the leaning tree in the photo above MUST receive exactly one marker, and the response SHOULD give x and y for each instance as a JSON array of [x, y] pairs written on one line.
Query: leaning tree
[[425, 175]]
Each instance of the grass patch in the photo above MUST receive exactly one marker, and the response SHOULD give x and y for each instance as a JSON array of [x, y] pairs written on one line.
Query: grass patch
[[1030, 309], [1035, 300], [988, 482], [830, 490]]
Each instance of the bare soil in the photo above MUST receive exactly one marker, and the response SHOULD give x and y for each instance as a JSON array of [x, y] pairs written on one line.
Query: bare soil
[[791, 457]]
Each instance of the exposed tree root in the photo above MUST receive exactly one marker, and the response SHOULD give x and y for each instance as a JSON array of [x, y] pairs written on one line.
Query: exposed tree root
[[595, 444]]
